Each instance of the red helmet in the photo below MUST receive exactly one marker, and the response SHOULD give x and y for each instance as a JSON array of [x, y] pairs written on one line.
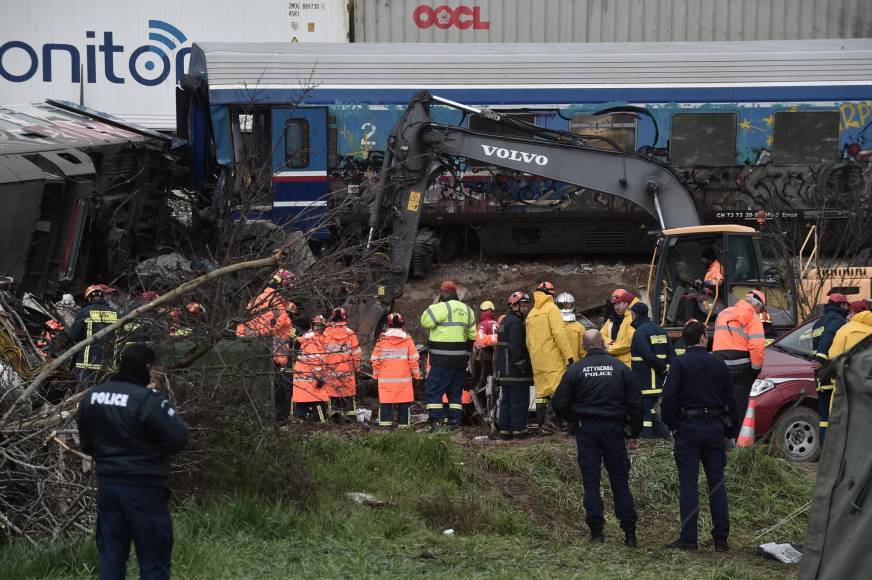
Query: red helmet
[[338, 315], [756, 296], [517, 298], [149, 295], [395, 320], [859, 306], [837, 298], [448, 286], [616, 295], [545, 287], [195, 308], [283, 277], [93, 289], [626, 297]]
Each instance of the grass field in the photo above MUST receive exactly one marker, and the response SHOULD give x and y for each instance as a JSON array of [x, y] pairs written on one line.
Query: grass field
[[515, 509]]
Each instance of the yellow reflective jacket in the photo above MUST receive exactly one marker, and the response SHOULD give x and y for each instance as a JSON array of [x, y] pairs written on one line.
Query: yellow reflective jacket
[[620, 347], [548, 344], [574, 332], [852, 332]]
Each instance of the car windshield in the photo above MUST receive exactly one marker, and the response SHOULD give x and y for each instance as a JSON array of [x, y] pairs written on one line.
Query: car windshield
[[798, 341]]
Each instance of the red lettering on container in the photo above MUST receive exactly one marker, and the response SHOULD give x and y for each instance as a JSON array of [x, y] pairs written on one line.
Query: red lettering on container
[[444, 17]]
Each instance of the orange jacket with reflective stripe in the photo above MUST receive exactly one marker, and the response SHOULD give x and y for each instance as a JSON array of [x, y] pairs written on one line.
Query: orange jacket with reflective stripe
[[269, 318], [307, 369], [341, 359], [739, 333], [395, 365]]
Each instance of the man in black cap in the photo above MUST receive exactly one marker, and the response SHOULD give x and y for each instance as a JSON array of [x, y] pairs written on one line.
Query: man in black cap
[[599, 395], [699, 405], [131, 431], [651, 352]]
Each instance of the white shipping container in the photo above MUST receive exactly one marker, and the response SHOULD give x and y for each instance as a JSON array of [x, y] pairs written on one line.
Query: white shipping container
[[608, 20], [125, 57]]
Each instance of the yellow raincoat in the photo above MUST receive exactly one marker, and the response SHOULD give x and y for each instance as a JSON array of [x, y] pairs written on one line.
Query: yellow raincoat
[[574, 332], [548, 344], [620, 347], [852, 332]]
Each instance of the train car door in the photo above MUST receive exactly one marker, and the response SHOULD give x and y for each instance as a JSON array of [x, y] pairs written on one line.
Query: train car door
[[299, 162]]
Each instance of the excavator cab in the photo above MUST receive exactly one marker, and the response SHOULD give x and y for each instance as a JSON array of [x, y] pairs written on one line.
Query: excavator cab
[[748, 260]]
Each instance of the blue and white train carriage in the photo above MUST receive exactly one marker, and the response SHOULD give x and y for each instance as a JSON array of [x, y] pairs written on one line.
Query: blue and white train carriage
[[775, 126]]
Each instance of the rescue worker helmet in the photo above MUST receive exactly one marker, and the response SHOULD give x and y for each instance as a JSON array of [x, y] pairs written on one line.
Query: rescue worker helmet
[[318, 321], [447, 287], [624, 296], [566, 304], [545, 288], [395, 320], [338, 315], [149, 295], [93, 290], [616, 295], [487, 305], [195, 308], [516, 298], [837, 298], [282, 277], [757, 299]]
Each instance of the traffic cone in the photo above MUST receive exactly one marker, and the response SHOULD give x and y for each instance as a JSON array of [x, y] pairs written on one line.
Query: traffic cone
[[746, 435]]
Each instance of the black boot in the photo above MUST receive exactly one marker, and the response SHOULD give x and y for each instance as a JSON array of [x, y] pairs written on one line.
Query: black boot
[[596, 535], [630, 539], [679, 544], [721, 545]]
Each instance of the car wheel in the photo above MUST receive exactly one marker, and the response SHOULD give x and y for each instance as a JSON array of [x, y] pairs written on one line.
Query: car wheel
[[796, 434]]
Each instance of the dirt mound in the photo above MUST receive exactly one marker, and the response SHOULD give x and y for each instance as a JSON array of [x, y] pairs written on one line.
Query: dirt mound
[[590, 283]]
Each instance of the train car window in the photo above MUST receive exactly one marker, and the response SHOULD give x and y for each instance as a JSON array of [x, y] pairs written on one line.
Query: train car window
[[703, 139], [801, 137], [332, 142], [297, 144], [614, 130], [252, 136]]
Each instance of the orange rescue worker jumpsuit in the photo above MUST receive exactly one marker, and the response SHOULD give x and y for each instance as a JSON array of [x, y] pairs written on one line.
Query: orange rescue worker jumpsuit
[[739, 341], [395, 364], [310, 396], [341, 365]]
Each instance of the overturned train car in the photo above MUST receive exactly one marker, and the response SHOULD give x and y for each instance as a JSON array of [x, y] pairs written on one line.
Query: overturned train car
[[83, 195], [777, 126]]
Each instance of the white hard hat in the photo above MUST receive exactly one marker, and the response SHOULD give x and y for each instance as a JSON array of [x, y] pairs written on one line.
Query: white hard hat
[[566, 304]]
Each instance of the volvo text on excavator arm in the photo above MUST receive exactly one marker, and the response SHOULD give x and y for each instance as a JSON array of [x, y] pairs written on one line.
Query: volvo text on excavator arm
[[416, 142]]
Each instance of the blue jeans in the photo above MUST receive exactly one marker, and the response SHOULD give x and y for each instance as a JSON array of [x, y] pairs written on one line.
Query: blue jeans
[[441, 381], [701, 439], [514, 406], [140, 514], [601, 441]]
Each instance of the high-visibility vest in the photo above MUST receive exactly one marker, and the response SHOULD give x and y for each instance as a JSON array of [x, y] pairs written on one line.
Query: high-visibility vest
[[451, 325], [739, 338], [307, 370], [342, 357], [395, 364]]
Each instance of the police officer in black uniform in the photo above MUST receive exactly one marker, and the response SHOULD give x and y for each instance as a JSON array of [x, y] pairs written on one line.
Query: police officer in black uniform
[[131, 431], [599, 394], [699, 406]]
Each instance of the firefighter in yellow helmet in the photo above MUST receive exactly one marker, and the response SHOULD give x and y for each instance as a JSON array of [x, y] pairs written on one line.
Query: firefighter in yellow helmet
[[550, 351]]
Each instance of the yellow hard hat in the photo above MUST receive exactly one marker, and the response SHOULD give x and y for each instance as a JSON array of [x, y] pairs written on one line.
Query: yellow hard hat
[[487, 305]]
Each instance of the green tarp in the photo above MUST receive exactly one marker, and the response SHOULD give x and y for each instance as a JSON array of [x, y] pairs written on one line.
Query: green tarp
[[838, 543]]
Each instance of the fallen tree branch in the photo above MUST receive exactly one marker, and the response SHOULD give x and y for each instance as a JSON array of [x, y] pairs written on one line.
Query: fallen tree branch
[[272, 261]]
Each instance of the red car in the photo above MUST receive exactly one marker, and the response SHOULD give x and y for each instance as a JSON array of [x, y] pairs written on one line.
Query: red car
[[787, 413]]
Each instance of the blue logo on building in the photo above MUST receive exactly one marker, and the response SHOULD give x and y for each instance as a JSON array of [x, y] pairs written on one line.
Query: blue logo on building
[[148, 65]]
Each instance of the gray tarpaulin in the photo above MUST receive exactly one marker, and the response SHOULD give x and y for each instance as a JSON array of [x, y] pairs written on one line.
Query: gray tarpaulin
[[838, 543]]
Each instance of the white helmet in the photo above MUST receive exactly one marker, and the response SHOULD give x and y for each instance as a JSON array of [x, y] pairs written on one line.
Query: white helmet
[[566, 304]]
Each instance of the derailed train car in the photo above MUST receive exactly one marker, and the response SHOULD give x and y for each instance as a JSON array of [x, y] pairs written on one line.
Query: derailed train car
[[778, 126], [83, 195]]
